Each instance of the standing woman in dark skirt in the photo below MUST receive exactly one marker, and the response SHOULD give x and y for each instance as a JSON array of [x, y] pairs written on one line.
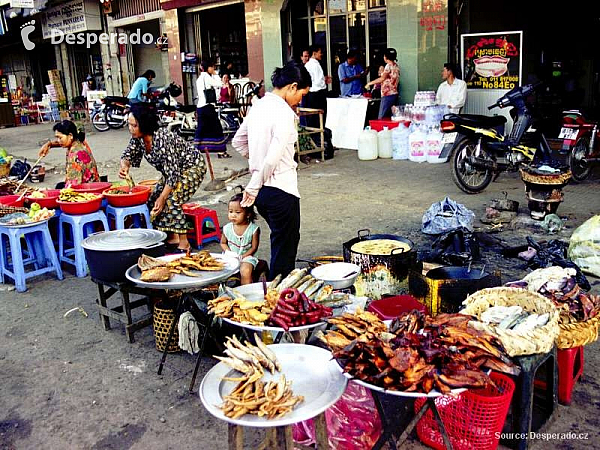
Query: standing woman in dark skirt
[[267, 137]]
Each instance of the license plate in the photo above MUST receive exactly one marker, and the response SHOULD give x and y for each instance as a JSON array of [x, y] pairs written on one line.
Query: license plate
[[449, 138], [568, 133]]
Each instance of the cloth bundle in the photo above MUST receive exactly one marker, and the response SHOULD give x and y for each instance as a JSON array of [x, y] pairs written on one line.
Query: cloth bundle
[[188, 333]]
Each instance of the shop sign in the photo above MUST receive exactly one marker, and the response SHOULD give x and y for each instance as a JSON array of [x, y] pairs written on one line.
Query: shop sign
[[72, 17], [4, 90], [22, 4], [492, 60]]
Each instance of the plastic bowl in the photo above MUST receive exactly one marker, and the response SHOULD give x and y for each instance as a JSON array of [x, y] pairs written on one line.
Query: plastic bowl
[[49, 201], [11, 200], [78, 208], [149, 183], [138, 195], [94, 188], [334, 274]]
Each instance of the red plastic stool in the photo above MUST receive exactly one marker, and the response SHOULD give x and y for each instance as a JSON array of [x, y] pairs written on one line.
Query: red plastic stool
[[570, 369], [202, 216], [388, 308]]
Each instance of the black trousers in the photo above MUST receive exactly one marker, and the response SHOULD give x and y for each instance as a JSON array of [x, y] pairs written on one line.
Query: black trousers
[[282, 213], [316, 100]]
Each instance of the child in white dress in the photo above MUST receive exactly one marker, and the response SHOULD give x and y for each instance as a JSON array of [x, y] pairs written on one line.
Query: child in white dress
[[241, 236]]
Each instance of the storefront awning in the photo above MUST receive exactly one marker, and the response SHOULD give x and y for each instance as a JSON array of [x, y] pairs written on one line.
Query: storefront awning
[[174, 4]]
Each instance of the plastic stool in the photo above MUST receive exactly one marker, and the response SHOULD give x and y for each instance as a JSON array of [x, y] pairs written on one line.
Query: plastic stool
[[136, 212], [388, 308], [202, 216], [40, 252], [81, 227], [523, 398], [570, 369]]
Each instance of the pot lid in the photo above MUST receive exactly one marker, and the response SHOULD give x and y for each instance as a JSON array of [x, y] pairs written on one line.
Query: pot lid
[[129, 239]]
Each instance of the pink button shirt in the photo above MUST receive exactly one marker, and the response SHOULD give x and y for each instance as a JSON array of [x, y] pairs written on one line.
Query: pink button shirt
[[267, 137]]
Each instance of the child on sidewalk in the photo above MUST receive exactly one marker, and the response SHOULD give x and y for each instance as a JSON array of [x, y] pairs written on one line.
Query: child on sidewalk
[[241, 236]]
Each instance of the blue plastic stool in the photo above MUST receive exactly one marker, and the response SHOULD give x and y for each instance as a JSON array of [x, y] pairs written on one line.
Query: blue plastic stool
[[136, 212], [40, 252], [81, 227]]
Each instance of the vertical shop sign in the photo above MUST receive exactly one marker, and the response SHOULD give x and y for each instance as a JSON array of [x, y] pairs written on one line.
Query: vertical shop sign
[[4, 90], [492, 60]]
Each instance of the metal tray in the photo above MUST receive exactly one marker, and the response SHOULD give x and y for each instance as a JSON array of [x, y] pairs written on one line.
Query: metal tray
[[26, 225], [311, 370], [179, 281], [431, 394]]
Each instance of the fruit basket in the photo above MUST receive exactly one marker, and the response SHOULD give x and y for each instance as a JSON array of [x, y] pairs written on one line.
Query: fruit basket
[[94, 188], [78, 208], [123, 196], [48, 201]]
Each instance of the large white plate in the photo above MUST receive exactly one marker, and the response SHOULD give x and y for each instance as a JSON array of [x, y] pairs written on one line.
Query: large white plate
[[179, 281], [313, 374], [25, 225], [254, 293]]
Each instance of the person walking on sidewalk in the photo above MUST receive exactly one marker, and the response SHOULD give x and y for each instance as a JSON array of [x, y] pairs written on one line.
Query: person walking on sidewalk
[[389, 83], [267, 138]]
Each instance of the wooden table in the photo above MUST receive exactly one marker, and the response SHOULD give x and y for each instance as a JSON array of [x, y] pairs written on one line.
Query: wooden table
[[307, 132]]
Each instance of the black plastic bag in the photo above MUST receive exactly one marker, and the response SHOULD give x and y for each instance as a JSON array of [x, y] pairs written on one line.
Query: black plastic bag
[[20, 169], [457, 247]]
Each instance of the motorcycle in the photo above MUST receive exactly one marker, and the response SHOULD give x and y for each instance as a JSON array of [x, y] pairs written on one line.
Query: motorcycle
[[479, 150], [97, 116], [580, 138]]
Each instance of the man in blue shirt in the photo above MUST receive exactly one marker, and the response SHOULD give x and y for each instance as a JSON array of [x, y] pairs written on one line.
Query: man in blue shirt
[[350, 74], [139, 90]]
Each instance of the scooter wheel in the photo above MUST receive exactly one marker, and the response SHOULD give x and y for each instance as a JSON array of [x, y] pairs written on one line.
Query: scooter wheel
[[469, 179], [580, 167]]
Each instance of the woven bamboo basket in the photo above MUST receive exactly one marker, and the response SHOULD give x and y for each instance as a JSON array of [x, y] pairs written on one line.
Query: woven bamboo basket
[[577, 334], [5, 210], [162, 319], [4, 170], [538, 340]]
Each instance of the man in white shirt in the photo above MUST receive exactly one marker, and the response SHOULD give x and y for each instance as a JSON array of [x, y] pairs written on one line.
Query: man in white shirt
[[453, 91], [317, 96]]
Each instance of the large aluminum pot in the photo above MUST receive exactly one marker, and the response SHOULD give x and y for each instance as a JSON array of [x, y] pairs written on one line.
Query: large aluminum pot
[[381, 274]]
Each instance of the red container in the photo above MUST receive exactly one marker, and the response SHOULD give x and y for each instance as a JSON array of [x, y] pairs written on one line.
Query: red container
[[378, 125], [473, 419], [49, 201], [78, 208], [95, 188], [388, 308], [138, 195], [11, 200]]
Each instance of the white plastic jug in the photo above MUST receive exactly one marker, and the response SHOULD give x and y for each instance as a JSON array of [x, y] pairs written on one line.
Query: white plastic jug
[[400, 142], [416, 142], [434, 146], [367, 145], [384, 143]]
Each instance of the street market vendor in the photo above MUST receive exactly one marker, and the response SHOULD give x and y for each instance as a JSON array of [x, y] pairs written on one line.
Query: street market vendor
[[180, 164]]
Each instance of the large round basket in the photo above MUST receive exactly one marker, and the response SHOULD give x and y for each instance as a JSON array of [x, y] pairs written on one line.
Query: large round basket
[[539, 340], [578, 333], [161, 323]]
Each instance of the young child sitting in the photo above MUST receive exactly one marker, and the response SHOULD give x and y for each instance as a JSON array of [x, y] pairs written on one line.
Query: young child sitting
[[241, 236]]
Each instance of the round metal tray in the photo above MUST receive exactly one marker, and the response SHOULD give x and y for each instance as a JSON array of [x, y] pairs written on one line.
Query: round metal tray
[[313, 374], [26, 225], [179, 281]]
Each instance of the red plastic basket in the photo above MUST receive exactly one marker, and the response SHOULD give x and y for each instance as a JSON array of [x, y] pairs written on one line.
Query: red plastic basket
[[95, 188], [378, 124], [388, 308], [78, 208], [11, 200], [138, 195], [473, 420], [49, 201]]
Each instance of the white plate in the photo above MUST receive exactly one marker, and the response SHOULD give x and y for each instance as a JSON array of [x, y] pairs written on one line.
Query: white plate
[[179, 281], [313, 374]]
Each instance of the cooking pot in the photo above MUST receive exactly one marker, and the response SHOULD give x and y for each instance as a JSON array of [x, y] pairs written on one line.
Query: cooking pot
[[380, 274], [443, 289], [110, 253]]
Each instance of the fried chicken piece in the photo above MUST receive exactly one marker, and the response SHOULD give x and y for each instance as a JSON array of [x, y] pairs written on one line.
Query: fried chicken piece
[[157, 274]]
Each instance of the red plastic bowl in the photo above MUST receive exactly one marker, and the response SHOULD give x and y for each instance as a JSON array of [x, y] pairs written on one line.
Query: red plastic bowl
[[78, 208], [138, 195], [95, 188], [49, 201], [11, 200]]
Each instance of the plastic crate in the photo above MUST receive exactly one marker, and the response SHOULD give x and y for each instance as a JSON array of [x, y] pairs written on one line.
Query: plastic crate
[[378, 125]]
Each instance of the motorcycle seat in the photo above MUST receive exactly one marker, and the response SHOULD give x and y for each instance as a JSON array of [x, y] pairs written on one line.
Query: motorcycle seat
[[476, 120], [186, 108], [115, 99]]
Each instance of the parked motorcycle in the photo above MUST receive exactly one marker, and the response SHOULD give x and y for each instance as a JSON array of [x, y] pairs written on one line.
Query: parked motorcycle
[[581, 138], [479, 149], [97, 116]]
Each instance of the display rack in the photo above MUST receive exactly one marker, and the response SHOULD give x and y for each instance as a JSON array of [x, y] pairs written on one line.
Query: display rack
[[306, 144]]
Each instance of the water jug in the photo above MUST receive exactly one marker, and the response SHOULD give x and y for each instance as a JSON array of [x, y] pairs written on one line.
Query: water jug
[[400, 141], [384, 143], [416, 142], [434, 146], [367, 145]]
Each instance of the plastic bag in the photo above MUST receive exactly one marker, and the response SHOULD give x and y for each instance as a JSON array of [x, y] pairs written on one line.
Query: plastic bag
[[445, 216], [457, 247], [584, 246], [352, 422]]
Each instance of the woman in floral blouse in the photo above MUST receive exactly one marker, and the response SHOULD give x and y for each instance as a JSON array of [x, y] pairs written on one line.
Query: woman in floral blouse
[[180, 164], [80, 164], [389, 83]]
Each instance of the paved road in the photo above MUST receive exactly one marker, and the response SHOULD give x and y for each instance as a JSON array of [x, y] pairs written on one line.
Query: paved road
[[69, 384]]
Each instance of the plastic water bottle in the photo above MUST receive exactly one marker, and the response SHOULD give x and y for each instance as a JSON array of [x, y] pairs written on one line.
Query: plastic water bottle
[[416, 142], [434, 146], [400, 141], [384, 143], [367, 145]]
